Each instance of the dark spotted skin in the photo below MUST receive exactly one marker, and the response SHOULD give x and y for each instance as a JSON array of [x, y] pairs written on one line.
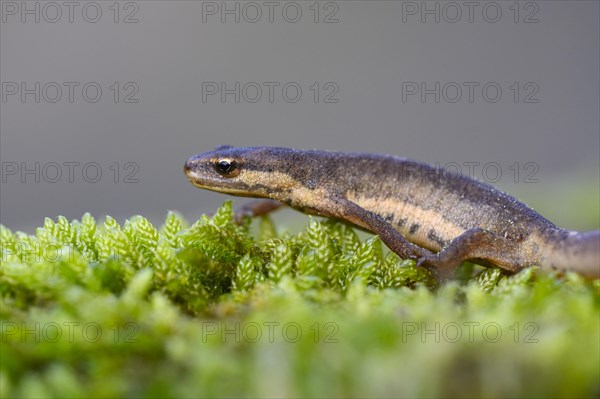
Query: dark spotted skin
[[436, 217]]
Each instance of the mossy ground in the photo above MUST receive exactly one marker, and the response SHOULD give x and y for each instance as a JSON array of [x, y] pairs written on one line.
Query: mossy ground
[[221, 310]]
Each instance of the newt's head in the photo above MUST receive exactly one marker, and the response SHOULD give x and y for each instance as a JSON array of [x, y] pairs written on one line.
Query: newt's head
[[250, 171]]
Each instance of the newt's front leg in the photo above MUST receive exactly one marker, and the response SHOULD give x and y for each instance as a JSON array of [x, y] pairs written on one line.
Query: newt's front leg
[[258, 207], [391, 237]]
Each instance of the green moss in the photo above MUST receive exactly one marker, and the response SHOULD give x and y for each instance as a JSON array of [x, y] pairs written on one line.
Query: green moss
[[218, 309]]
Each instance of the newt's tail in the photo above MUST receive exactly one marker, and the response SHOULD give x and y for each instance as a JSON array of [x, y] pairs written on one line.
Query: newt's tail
[[571, 251]]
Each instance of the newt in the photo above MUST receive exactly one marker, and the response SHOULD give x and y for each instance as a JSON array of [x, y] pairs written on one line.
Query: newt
[[436, 217]]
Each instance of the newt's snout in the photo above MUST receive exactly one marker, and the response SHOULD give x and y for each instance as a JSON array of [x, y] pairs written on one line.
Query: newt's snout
[[187, 168], [194, 170]]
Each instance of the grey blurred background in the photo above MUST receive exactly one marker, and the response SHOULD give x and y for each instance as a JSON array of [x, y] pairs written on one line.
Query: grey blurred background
[[361, 67]]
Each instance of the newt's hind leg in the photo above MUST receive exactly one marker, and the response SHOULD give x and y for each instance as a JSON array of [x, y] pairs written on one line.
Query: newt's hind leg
[[479, 246]]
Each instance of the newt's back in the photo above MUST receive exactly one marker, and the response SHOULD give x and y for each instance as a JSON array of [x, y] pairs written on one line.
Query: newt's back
[[427, 204]]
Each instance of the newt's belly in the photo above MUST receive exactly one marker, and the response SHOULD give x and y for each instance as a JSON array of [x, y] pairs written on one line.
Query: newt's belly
[[427, 228]]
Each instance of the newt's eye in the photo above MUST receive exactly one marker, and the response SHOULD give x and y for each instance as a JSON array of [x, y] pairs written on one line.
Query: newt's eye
[[227, 167]]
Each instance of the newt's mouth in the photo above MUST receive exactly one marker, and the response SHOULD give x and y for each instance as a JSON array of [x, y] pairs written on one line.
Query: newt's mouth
[[200, 182], [217, 183]]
